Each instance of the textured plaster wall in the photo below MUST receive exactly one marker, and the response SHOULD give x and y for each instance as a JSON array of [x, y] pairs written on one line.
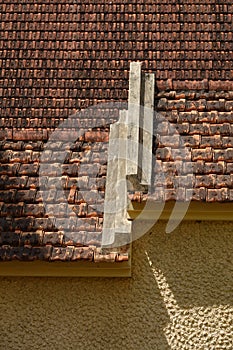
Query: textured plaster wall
[[179, 297]]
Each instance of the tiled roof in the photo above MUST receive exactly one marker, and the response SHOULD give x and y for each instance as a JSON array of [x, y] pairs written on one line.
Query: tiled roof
[[61, 56], [194, 144]]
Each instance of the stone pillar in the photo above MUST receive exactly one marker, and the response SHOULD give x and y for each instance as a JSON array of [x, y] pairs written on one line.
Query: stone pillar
[[129, 157]]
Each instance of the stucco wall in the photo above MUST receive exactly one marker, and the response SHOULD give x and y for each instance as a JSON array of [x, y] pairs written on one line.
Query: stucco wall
[[179, 297]]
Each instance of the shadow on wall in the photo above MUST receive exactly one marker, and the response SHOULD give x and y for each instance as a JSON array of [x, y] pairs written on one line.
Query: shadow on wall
[[193, 269], [196, 260], [84, 313], [179, 297]]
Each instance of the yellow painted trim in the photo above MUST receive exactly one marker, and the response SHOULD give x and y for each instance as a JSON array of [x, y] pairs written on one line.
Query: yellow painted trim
[[196, 211], [65, 269]]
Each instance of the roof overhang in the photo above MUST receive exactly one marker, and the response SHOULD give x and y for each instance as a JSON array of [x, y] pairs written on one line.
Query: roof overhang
[[65, 269], [196, 211]]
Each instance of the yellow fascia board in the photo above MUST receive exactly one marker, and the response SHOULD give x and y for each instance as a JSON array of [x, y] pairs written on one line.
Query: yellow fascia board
[[196, 211], [64, 269]]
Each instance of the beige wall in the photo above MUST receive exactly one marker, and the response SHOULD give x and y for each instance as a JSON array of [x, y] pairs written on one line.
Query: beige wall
[[179, 297]]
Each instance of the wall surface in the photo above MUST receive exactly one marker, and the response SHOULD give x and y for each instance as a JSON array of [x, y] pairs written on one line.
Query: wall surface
[[180, 297]]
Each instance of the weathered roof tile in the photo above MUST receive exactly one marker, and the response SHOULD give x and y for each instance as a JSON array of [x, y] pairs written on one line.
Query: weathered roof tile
[[58, 57]]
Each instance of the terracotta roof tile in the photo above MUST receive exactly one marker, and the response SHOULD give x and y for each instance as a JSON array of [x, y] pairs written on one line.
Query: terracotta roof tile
[[58, 57]]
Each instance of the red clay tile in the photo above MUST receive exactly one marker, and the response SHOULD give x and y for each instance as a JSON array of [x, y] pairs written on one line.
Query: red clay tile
[[59, 57]]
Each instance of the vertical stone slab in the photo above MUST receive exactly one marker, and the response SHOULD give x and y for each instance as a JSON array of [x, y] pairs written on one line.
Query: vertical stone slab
[[122, 224], [134, 115], [129, 158], [108, 234], [116, 227], [147, 137]]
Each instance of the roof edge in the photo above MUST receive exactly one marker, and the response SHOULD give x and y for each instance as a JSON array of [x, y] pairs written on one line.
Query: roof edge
[[38, 268], [199, 211]]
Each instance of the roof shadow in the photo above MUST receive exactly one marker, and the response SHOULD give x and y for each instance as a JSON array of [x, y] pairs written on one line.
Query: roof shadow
[[121, 312], [196, 261]]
